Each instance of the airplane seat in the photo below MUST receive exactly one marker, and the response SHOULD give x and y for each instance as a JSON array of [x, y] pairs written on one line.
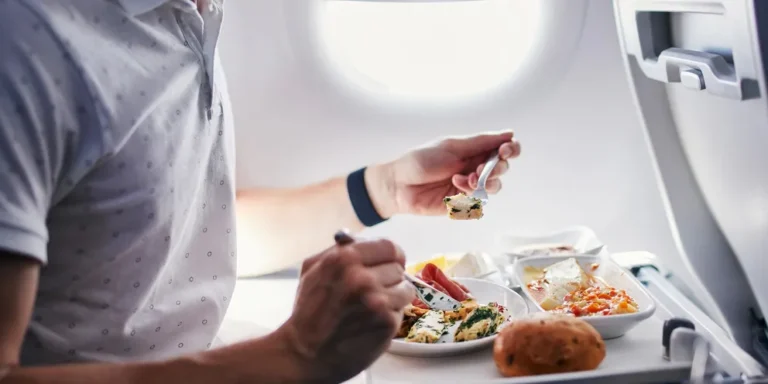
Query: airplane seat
[[698, 75]]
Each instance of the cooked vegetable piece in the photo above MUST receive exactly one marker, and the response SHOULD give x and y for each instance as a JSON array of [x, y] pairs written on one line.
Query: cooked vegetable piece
[[428, 328]]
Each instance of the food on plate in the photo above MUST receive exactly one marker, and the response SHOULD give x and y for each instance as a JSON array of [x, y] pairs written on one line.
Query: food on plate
[[545, 249], [469, 264], [473, 320], [483, 321], [546, 343], [558, 280], [410, 316], [596, 301], [435, 277], [428, 328], [564, 287], [439, 261], [460, 314], [463, 207]]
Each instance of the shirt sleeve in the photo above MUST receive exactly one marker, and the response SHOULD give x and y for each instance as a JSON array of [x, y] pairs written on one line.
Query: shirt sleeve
[[39, 126]]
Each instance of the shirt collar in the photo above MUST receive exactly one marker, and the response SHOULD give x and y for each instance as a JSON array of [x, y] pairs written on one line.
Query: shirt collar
[[137, 7]]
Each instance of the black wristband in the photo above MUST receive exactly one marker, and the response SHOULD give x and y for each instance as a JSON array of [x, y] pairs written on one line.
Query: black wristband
[[361, 201]]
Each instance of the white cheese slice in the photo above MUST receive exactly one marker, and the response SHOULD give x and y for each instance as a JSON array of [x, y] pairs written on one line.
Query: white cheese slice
[[468, 265], [561, 279], [463, 207]]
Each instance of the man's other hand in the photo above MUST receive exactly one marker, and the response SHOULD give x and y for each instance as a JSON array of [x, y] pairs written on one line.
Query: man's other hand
[[417, 182], [349, 305]]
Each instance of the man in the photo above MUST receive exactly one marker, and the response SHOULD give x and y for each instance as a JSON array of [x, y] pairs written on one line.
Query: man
[[117, 221]]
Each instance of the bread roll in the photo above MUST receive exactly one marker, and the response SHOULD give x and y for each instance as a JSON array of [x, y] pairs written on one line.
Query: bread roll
[[545, 343]]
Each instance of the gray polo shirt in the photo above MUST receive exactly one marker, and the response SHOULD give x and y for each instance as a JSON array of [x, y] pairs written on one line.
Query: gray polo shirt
[[116, 172]]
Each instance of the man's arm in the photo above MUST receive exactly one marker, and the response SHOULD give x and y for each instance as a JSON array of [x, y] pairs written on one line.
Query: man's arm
[[265, 360], [18, 285], [267, 218]]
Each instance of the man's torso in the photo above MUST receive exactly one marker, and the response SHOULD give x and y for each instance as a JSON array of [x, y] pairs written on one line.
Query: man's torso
[[141, 253]]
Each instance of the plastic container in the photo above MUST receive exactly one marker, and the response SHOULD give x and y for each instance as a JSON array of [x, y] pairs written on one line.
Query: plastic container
[[611, 326]]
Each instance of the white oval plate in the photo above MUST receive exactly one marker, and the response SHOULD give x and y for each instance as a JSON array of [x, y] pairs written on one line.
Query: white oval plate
[[484, 292], [612, 326]]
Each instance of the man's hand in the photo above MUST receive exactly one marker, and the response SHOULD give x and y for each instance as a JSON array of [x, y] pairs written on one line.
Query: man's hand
[[417, 182], [348, 308]]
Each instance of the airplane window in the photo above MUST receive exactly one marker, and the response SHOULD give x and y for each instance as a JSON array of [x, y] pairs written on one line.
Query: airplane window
[[428, 50]]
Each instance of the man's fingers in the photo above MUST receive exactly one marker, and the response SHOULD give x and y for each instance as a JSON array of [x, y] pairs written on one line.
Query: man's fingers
[[376, 301], [493, 186], [401, 295], [358, 281], [468, 147], [510, 150], [309, 263], [388, 274], [468, 184], [394, 298], [381, 251], [501, 168], [461, 182]]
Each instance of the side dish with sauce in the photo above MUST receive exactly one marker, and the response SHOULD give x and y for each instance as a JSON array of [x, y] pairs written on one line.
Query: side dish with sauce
[[565, 287]]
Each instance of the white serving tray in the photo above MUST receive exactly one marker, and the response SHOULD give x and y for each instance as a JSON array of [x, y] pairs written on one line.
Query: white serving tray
[[638, 353], [636, 357]]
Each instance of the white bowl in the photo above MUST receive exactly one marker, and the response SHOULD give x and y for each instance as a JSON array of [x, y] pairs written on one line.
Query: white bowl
[[611, 326], [484, 292], [579, 237]]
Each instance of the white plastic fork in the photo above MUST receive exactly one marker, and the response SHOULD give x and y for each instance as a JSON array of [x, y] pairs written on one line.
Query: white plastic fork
[[480, 192]]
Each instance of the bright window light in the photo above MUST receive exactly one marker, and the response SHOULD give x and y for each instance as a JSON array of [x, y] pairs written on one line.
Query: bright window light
[[432, 50]]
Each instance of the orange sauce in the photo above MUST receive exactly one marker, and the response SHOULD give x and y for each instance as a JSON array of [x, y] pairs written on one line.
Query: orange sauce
[[597, 301]]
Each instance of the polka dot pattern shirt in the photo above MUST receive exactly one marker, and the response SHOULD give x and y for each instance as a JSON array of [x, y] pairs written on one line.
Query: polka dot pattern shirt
[[117, 166]]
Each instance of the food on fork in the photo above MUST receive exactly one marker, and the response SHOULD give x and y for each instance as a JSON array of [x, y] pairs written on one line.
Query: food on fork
[[547, 343], [463, 207]]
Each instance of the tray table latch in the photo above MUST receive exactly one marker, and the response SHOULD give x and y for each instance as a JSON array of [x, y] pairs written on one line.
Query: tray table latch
[[669, 326]]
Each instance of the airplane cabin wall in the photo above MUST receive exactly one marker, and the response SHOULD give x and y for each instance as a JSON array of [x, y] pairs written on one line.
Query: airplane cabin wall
[[584, 158]]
